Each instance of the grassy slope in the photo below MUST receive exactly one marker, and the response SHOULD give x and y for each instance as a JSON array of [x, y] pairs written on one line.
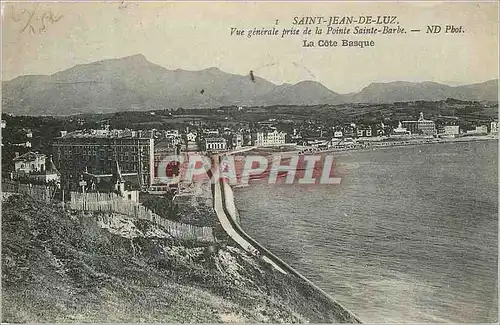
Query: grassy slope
[[62, 267]]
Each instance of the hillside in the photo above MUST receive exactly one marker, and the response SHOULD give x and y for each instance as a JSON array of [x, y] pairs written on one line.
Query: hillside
[[130, 83], [135, 84], [73, 267], [303, 93], [399, 91]]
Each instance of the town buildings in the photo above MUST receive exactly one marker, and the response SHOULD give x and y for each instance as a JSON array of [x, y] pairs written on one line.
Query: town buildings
[[349, 130], [400, 130], [494, 127], [479, 130], [367, 131], [338, 134], [426, 127], [97, 151], [164, 149], [237, 140], [172, 133], [127, 185], [269, 138], [30, 162], [211, 132], [451, 130], [191, 136], [421, 126], [26, 144], [35, 166]]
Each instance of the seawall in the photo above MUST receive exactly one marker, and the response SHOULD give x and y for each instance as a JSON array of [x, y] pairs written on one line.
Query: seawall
[[226, 209]]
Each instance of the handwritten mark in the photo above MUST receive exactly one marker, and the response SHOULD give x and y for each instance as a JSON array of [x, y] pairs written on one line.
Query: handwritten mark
[[50, 18], [32, 21], [295, 65], [265, 66], [28, 23]]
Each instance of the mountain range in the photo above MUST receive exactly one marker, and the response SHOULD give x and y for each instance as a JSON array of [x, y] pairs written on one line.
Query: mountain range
[[134, 83]]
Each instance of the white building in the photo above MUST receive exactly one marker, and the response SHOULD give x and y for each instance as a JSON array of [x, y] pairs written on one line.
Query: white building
[[362, 131], [270, 138], [210, 132], [427, 127], [338, 134], [494, 127], [30, 162], [400, 130], [26, 144], [35, 166], [172, 133], [421, 126], [215, 144], [451, 130], [238, 140], [191, 136], [483, 129]]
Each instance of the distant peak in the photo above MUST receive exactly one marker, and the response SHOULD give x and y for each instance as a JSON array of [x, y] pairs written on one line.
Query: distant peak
[[136, 58], [310, 83]]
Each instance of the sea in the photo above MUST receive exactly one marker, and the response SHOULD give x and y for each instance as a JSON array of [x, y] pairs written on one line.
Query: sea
[[409, 235]]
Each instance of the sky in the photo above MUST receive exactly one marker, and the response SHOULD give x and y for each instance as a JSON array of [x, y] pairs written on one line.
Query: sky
[[196, 35]]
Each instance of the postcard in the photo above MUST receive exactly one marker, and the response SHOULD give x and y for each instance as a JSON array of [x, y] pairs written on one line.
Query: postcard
[[249, 162]]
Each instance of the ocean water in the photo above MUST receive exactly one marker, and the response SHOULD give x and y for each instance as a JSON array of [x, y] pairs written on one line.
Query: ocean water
[[410, 234]]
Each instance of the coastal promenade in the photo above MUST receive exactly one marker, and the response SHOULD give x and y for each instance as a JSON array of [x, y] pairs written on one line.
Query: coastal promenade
[[233, 231], [227, 214]]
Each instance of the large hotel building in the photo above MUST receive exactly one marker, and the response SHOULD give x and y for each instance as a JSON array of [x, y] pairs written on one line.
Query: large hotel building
[[96, 152], [421, 126]]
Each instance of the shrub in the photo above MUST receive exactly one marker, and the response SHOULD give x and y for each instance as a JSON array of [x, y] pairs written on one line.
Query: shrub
[[162, 206]]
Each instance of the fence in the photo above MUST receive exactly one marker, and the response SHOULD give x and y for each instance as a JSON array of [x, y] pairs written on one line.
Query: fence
[[110, 202], [38, 192]]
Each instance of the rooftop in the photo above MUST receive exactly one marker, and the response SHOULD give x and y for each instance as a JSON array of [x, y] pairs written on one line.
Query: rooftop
[[215, 140], [103, 134]]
